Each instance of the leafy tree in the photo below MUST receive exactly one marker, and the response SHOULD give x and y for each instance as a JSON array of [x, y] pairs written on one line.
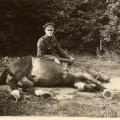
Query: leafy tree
[[81, 25]]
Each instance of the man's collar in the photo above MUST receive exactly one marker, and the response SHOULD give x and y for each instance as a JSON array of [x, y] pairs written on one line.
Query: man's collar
[[48, 36]]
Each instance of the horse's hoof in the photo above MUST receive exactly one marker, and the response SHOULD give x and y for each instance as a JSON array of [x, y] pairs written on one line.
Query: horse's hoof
[[107, 94], [43, 94], [90, 88], [80, 86], [39, 92], [13, 99], [15, 95], [106, 79], [47, 95]]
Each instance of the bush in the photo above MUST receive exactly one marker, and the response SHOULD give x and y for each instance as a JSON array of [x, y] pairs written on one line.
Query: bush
[[81, 24]]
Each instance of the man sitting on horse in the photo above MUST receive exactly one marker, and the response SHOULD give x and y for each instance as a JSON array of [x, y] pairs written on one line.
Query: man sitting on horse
[[48, 47], [28, 72]]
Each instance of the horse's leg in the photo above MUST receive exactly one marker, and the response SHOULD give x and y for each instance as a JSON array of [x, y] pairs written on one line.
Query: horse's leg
[[13, 83], [82, 86], [18, 70], [99, 77], [26, 84], [3, 77], [84, 77]]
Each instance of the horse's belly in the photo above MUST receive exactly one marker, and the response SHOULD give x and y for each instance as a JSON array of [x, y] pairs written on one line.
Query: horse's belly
[[42, 82], [46, 73]]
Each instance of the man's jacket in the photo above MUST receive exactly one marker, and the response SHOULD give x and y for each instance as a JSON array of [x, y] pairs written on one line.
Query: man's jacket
[[49, 46]]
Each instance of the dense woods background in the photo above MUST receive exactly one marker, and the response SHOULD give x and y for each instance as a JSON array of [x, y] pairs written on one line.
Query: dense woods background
[[82, 26]]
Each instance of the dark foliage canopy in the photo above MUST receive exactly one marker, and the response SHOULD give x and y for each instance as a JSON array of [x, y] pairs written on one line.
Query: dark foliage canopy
[[80, 24]]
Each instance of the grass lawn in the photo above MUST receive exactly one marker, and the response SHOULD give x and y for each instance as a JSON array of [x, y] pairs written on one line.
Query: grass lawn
[[67, 101]]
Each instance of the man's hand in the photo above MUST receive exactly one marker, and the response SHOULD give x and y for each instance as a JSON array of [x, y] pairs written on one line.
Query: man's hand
[[71, 58], [56, 60]]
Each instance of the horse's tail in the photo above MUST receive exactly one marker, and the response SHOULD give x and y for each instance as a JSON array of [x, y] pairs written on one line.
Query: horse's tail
[[3, 77]]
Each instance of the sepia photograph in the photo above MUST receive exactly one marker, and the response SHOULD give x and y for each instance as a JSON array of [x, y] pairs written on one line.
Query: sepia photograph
[[60, 58]]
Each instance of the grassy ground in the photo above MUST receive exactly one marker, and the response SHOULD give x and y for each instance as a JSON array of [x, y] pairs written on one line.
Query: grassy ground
[[67, 101]]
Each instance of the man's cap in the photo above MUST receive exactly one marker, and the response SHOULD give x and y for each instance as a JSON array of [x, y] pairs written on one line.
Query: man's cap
[[49, 24]]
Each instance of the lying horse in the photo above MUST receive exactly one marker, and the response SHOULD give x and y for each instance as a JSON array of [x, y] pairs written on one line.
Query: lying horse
[[34, 71]]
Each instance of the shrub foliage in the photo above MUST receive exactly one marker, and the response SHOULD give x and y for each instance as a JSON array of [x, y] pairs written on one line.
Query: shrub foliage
[[81, 25]]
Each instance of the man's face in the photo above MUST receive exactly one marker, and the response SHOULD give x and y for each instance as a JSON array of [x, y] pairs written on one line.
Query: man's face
[[49, 30]]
